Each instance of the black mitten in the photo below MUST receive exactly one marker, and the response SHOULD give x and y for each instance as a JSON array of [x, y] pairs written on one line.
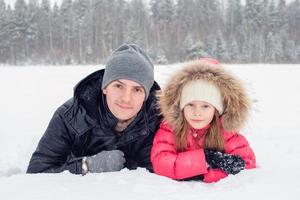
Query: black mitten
[[213, 158], [231, 164]]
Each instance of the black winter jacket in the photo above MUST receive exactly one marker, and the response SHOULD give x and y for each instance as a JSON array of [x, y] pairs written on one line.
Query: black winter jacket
[[84, 126]]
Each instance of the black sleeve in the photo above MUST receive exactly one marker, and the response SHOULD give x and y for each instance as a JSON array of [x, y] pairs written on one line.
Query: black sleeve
[[53, 153], [194, 178], [145, 150], [144, 153]]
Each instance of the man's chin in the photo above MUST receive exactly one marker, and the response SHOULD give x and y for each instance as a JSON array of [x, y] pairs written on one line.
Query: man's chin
[[124, 117]]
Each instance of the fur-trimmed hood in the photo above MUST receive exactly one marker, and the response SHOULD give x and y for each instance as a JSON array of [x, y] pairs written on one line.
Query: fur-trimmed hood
[[236, 103]]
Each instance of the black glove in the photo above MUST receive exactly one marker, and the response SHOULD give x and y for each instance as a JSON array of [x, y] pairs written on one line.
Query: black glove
[[106, 161], [231, 164]]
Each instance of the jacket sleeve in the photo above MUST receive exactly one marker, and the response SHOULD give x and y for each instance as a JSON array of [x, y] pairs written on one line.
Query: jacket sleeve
[[143, 154], [168, 162], [145, 149], [236, 144], [53, 153], [214, 175]]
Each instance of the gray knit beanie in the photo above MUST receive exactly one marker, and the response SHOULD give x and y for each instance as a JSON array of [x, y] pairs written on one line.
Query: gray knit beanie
[[129, 62]]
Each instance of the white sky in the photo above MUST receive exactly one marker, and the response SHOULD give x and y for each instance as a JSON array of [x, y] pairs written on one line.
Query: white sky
[[12, 2]]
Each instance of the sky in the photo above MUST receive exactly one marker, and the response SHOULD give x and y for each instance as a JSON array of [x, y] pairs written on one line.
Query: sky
[[12, 2]]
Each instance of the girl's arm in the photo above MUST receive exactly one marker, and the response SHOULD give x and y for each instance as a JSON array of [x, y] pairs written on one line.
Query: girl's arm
[[168, 162], [236, 144]]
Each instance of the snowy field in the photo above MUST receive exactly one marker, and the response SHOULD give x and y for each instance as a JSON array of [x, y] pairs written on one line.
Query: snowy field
[[30, 95]]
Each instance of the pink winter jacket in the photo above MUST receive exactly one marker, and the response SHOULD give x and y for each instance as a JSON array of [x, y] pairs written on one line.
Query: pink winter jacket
[[168, 162]]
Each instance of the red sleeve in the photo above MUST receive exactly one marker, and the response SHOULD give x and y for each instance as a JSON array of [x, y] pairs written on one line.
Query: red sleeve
[[168, 162], [237, 144], [214, 175]]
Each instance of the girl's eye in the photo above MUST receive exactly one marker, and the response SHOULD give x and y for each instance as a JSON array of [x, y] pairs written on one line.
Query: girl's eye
[[206, 106], [190, 104]]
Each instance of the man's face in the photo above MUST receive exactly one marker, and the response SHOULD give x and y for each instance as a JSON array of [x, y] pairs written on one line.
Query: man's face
[[124, 98]]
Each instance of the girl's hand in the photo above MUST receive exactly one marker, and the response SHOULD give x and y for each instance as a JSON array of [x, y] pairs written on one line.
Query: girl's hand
[[231, 164]]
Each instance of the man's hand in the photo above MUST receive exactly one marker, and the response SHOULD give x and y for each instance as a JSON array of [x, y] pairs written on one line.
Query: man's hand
[[106, 161]]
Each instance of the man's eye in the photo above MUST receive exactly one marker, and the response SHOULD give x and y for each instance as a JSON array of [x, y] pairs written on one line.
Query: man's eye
[[138, 90], [118, 86]]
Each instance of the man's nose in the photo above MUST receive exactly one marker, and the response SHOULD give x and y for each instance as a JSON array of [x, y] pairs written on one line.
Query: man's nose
[[126, 97]]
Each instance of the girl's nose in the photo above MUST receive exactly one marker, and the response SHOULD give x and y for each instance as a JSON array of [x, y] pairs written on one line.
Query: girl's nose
[[197, 112]]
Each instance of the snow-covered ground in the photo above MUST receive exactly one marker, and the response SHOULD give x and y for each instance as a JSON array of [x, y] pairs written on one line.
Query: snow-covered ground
[[30, 95]]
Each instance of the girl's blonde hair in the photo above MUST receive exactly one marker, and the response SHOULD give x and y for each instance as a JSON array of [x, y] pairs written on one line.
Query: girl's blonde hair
[[213, 137]]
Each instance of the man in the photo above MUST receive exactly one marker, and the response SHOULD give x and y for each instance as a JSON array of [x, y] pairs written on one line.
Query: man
[[109, 123]]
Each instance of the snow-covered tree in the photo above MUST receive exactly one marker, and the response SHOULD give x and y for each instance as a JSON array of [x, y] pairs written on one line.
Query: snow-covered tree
[[138, 24], [4, 33], [194, 49], [66, 14], [87, 31], [32, 31], [57, 36], [274, 48], [163, 12], [20, 30], [220, 51], [234, 16], [233, 51]]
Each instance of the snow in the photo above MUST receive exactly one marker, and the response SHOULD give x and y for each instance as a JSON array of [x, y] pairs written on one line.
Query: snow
[[30, 95]]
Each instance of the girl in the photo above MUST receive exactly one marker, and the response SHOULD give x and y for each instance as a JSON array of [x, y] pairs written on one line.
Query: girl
[[203, 108]]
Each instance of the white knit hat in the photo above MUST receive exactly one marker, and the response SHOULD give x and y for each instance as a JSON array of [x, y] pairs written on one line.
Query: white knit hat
[[200, 90]]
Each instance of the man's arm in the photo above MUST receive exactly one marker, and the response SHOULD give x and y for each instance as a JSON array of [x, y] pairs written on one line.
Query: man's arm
[[144, 152], [53, 153]]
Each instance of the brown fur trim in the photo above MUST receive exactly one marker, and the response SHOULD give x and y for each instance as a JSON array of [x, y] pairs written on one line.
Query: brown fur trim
[[234, 97]]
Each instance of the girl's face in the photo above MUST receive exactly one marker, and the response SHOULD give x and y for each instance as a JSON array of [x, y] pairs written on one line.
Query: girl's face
[[198, 113]]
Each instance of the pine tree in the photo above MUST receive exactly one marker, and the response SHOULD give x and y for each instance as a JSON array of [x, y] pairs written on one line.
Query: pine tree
[[57, 53], [8, 36], [66, 14], [274, 48], [163, 17], [4, 35], [32, 32], [196, 50], [80, 15], [3, 24], [21, 23], [233, 51], [171, 30], [220, 49], [273, 17], [184, 14], [234, 16], [45, 29], [162, 11], [138, 24]]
